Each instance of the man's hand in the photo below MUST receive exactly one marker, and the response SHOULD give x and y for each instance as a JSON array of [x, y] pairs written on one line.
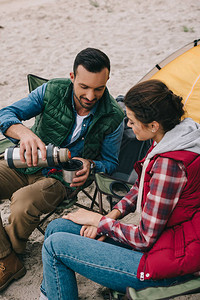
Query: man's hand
[[29, 142], [81, 175]]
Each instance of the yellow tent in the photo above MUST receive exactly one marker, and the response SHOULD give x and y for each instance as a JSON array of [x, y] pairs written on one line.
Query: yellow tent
[[181, 73]]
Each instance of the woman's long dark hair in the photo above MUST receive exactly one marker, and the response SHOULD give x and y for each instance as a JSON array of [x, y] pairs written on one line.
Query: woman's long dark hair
[[151, 100]]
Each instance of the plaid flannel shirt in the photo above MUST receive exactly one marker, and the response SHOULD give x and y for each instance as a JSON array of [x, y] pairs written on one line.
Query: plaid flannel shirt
[[168, 179]]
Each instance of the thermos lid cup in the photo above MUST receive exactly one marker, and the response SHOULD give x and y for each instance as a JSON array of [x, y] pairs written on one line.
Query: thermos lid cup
[[70, 168]]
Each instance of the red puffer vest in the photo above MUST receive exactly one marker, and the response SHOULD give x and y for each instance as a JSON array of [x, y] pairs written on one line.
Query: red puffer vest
[[177, 250]]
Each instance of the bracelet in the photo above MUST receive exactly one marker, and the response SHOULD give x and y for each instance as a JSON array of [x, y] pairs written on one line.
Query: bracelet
[[92, 164]]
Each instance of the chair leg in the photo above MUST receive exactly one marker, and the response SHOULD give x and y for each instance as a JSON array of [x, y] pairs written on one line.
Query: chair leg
[[40, 230], [90, 197], [100, 202], [44, 219], [110, 201], [93, 199]]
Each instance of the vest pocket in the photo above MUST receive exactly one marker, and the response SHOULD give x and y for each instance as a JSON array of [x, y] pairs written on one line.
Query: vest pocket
[[179, 241]]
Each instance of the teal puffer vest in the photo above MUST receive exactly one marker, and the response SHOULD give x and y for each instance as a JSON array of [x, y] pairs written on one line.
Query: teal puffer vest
[[54, 124]]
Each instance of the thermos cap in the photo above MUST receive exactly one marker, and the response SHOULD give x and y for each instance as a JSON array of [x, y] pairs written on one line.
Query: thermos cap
[[63, 154]]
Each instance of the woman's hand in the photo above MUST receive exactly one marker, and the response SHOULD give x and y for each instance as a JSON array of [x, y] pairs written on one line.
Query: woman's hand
[[90, 221], [88, 231], [91, 232], [84, 217]]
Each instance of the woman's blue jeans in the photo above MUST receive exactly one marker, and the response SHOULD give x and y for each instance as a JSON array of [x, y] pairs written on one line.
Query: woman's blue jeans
[[108, 263]]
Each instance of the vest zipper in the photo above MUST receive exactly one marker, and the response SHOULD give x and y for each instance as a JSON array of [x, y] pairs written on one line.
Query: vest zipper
[[142, 273], [141, 276]]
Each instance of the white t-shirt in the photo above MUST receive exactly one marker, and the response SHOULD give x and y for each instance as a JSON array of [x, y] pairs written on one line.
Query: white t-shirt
[[79, 121]]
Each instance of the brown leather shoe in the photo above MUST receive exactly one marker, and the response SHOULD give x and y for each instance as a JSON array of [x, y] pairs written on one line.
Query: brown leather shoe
[[10, 268]]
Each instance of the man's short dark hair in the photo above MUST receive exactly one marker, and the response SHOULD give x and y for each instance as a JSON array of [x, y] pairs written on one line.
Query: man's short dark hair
[[93, 60]]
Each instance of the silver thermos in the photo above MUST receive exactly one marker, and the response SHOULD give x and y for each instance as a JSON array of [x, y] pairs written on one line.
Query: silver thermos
[[55, 156]]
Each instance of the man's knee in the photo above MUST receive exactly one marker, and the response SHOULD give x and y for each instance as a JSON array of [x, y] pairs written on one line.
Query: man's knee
[[10, 181], [52, 192], [22, 203], [38, 198]]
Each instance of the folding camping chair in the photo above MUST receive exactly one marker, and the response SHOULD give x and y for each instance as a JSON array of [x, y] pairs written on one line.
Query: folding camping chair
[[180, 72], [188, 287]]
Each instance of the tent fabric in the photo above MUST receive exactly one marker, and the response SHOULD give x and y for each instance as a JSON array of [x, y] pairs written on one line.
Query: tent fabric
[[181, 73]]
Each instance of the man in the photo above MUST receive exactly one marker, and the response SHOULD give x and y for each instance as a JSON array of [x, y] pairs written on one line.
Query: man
[[77, 113]]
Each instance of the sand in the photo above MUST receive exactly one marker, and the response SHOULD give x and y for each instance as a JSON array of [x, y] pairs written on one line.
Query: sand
[[42, 37]]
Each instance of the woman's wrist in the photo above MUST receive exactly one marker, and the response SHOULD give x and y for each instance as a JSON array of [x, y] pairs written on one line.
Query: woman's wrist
[[96, 219], [114, 214]]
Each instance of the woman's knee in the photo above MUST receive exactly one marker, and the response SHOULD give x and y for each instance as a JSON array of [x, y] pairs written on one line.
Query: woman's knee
[[47, 249], [54, 226], [62, 225], [54, 242]]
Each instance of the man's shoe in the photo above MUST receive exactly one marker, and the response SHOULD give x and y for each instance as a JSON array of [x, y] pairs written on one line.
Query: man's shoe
[[10, 268]]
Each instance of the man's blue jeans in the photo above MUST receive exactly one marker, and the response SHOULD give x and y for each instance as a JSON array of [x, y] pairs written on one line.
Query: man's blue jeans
[[109, 263]]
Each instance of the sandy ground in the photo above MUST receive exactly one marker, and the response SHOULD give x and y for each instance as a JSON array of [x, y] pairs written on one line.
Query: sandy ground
[[42, 37]]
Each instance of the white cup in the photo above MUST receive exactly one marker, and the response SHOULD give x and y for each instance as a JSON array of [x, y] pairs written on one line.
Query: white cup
[[70, 168]]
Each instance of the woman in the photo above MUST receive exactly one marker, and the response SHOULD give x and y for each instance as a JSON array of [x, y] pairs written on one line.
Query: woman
[[166, 242]]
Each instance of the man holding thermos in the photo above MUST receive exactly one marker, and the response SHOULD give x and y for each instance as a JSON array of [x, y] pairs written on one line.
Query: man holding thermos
[[76, 113]]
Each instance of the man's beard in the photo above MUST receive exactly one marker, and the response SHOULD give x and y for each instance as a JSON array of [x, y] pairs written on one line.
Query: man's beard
[[89, 106]]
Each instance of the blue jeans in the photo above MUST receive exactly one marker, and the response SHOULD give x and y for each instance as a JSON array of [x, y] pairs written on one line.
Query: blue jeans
[[108, 263]]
